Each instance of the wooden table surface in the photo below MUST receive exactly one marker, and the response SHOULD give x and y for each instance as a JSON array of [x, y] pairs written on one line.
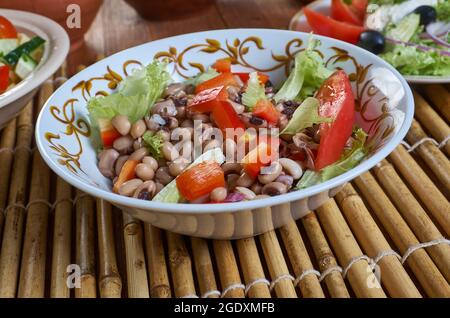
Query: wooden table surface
[[118, 26]]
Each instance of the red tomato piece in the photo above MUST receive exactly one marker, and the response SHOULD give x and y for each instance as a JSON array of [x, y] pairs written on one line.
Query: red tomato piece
[[260, 156], [222, 65], [107, 133], [337, 102], [327, 26], [359, 7], [343, 13], [7, 29], [4, 78], [263, 78], [224, 79], [200, 180], [266, 110], [226, 117], [205, 101]]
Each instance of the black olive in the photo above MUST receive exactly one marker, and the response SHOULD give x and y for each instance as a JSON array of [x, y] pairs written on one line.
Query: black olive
[[427, 14], [372, 41]]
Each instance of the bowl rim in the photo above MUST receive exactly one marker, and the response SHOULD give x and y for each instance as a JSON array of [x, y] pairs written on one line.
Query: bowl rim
[[56, 50], [188, 208]]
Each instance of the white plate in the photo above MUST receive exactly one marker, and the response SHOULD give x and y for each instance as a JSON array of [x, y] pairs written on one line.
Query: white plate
[[62, 129], [299, 23], [56, 48]]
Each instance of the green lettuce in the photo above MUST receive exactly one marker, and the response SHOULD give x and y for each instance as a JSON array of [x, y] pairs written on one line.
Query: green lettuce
[[349, 159], [202, 77], [411, 61], [308, 74], [153, 142], [443, 11], [254, 91], [405, 29], [306, 115]]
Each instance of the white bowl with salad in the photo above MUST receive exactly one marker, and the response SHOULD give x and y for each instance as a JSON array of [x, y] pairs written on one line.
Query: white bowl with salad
[[32, 48], [411, 35], [225, 134]]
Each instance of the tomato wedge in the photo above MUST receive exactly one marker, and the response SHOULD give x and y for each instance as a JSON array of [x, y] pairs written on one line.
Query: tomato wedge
[[359, 7], [226, 117], [4, 78], [205, 101], [7, 29], [222, 65], [107, 133], [336, 101], [200, 180], [344, 13], [263, 78], [224, 79], [327, 26], [266, 110]]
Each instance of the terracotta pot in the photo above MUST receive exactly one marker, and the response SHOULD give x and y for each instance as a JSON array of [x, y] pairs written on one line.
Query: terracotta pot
[[168, 9], [57, 11]]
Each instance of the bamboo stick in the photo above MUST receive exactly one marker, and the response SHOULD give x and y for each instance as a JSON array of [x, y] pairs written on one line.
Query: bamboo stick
[[13, 229], [110, 283], [346, 249], [324, 256], [85, 246], [203, 266], [298, 255], [252, 268], [414, 215], [434, 124], [7, 142], [135, 258], [180, 266], [393, 275], [426, 272], [156, 262], [32, 272], [62, 240], [431, 154], [440, 98], [228, 268], [436, 203], [277, 265]]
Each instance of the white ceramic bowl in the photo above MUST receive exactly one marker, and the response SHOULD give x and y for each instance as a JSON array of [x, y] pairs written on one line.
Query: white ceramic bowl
[[299, 23], [63, 127], [56, 48]]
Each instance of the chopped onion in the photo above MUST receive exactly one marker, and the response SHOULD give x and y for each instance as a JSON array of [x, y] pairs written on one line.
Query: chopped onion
[[418, 46], [435, 38], [234, 197]]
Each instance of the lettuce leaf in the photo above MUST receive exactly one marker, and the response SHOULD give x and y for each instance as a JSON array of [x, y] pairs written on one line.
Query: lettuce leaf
[[306, 115], [411, 61], [308, 74], [154, 143], [254, 91], [202, 77], [443, 11], [350, 158]]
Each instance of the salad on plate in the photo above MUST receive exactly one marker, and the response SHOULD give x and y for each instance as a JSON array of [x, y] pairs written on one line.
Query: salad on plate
[[411, 35], [226, 135], [19, 54]]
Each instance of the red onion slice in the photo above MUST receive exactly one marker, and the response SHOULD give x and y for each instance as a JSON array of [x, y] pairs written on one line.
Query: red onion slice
[[418, 46], [234, 197]]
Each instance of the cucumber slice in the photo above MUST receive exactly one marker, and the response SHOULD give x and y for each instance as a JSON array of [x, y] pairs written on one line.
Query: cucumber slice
[[405, 29], [7, 45], [25, 66], [28, 47]]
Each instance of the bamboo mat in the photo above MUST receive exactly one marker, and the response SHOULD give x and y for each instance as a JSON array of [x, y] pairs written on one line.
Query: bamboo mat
[[391, 223]]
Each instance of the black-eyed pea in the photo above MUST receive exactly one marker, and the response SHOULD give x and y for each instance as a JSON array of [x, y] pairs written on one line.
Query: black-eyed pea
[[106, 162], [138, 129], [270, 173], [286, 179], [139, 154], [231, 167], [149, 187], [127, 188], [159, 186], [123, 144], [187, 123], [122, 124], [144, 171], [151, 162], [256, 188], [177, 166], [291, 167], [170, 153], [232, 180], [163, 176], [218, 194], [119, 163], [274, 188], [165, 135], [244, 180]]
